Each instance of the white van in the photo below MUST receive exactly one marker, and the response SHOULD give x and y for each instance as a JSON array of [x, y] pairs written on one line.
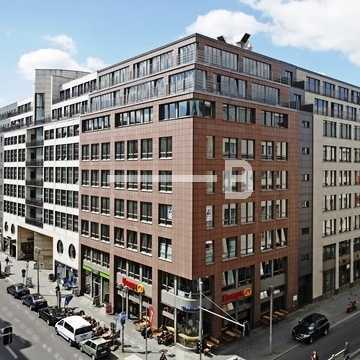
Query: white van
[[74, 329]]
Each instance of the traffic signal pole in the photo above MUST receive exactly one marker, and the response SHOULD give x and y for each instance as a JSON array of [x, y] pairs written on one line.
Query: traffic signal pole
[[200, 318]]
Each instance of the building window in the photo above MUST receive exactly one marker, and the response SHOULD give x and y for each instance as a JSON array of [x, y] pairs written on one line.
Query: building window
[[329, 153], [94, 230], [146, 212], [165, 147], [247, 149], [210, 147], [105, 178], [146, 149], [209, 216], [165, 214], [105, 205], [95, 204], [230, 148], [165, 181], [72, 251], [329, 227], [229, 214], [132, 180], [209, 252], [321, 107], [220, 58], [119, 179], [60, 247], [239, 114], [256, 68], [119, 150], [132, 210], [146, 180], [94, 177], [165, 249], [105, 233], [329, 128], [265, 94], [229, 248], [247, 244], [313, 85], [84, 228], [200, 108], [146, 243], [119, 208], [131, 240], [267, 150], [247, 211], [96, 124], [119, 236], [134, 117], [274, 119], [94, 151], [132, 149], [105, 151]]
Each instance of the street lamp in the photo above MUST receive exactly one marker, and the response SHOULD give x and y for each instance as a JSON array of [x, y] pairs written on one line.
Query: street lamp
[[37, 251], [270, 292]]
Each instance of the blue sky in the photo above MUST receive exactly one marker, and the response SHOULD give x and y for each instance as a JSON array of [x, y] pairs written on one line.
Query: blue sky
[[110, 30]]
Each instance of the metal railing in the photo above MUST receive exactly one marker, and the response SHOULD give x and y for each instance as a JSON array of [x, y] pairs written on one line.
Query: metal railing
[[34, 143], [35, 202], [34, 182], [37, 163], [35, 222]]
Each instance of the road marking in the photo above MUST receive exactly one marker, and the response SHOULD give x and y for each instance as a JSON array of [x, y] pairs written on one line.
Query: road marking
[[12, 352]]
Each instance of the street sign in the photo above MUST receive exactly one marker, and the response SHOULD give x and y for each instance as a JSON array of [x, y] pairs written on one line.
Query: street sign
[[68, 298], [122, 317]]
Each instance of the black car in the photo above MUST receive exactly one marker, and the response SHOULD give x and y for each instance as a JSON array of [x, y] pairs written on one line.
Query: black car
[[311, 327], [18, 290], [34, 301], [51, 315]]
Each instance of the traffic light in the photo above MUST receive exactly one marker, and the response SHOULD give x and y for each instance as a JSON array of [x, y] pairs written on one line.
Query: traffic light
[[198, 347], [6, 334]]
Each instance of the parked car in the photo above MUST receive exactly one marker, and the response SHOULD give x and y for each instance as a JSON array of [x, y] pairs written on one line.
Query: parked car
[[34, 301], [311, 327], [51, 315], [74, 329], [96, 348], [18, 290]]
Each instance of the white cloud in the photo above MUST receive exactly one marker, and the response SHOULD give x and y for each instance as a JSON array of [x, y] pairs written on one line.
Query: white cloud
[[322, 25], [232, 25], [54, 59], [62, 41]]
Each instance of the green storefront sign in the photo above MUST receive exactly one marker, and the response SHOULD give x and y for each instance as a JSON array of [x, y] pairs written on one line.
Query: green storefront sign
[[103, 274]]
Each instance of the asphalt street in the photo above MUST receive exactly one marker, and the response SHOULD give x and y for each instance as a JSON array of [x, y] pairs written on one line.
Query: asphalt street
[[33, 338], [348, 330]]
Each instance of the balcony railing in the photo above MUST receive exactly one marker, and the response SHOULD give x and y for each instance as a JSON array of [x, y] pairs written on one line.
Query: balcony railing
[[34, 182], [35, 202], [35, 143], [34, 222], [37, 163]]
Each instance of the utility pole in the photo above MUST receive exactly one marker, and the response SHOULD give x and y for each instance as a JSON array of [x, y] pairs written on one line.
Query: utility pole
[[200, 317], [271, 291]]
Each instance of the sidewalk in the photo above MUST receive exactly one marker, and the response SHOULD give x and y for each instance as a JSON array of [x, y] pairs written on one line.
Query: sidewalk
[[254, 347]]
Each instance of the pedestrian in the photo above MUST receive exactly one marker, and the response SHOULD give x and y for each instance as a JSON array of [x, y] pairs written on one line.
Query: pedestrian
[[315, 356], [7, 260]]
